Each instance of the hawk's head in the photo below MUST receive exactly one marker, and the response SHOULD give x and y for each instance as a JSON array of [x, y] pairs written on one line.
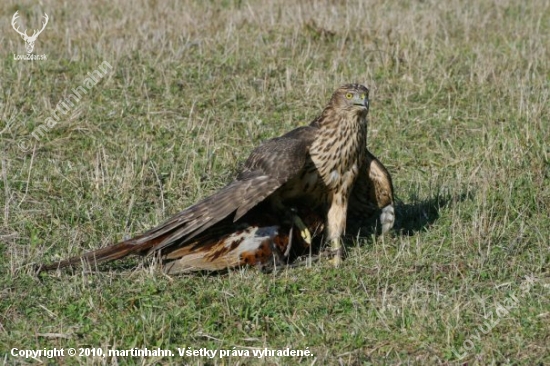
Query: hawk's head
[[351, 97]]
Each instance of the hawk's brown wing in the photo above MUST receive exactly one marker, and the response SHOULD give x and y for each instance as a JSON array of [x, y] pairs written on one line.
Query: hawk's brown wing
[[372, 194], [268, 167], [277, 161]]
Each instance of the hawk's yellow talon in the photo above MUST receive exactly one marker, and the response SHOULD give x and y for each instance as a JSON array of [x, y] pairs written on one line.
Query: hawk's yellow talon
[[304, 231], [336, 261]]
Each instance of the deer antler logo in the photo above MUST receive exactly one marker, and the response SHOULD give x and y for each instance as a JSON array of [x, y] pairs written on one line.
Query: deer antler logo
[[29, 41]]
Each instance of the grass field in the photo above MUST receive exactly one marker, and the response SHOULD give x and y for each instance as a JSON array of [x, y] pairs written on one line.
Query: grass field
[[460, 96]]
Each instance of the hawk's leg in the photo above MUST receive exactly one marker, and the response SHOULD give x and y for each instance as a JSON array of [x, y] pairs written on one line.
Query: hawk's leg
[[336, 225]]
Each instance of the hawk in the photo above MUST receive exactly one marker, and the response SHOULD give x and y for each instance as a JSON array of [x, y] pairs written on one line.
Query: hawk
[[310, 178]]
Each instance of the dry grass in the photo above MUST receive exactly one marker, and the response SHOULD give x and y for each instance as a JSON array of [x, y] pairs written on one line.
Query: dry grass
[[459, 114]]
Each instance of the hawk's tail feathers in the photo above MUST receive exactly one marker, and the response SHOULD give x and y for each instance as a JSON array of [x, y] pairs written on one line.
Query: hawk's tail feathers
[[107, 254]]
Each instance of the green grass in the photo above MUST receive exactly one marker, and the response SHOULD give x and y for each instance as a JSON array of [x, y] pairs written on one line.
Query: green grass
[[460, 96]]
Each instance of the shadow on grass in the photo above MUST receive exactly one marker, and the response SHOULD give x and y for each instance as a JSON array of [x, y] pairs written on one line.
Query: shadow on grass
[[420, 215]]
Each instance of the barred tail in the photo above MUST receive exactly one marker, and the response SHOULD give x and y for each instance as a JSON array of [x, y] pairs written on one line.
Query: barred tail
[[102, 255]]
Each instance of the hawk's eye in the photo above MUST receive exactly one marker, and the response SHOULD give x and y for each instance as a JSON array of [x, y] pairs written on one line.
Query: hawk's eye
[[349, 95], [363, 96]]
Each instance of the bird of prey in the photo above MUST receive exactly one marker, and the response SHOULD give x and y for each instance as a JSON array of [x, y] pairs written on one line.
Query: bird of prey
[[308, 179]]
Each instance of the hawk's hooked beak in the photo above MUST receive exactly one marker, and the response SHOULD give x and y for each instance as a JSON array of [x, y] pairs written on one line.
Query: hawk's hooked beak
[[364, 102]]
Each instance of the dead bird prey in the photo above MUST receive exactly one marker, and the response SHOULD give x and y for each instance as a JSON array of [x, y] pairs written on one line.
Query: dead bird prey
[[309, 179]]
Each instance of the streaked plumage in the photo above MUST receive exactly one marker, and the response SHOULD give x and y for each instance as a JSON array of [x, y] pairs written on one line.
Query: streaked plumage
[[311, 172]]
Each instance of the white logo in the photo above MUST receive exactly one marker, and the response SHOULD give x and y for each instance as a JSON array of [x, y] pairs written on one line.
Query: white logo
[[29, 41]]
